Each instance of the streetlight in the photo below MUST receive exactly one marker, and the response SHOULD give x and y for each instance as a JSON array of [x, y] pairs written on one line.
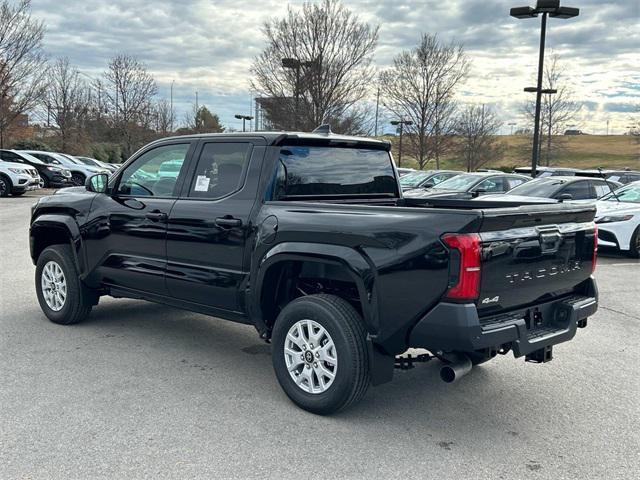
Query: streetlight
[[546, 8], [171, 106], [402, 122], [512, 124], [295, 64], [244, 118]]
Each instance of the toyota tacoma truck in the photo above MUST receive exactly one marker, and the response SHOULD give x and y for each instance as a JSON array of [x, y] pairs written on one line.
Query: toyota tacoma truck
[[307, 237]]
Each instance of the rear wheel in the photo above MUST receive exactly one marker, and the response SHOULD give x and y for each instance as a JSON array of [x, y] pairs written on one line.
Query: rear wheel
[[63, 298], [5, 186], [319, 353], [17, 194], [78, 179], [634, 248]]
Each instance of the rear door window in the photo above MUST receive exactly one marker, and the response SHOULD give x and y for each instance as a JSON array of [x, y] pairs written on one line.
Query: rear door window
[[601, 188], [493, 185], [221, 170], [579, 190]]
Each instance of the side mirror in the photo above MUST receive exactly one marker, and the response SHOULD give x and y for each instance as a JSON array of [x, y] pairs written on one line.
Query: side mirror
[[477, 192], [97, 183], [565, 196]]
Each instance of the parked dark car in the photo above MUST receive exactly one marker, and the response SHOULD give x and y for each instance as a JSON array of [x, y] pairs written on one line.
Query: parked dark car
[[621, 176], [471, 185], [426, 178], [563, 188], [307, 238], [53, 176], [542, 172]]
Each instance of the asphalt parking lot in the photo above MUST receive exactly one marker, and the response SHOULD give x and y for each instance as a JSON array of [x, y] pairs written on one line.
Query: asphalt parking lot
[[147, 391]]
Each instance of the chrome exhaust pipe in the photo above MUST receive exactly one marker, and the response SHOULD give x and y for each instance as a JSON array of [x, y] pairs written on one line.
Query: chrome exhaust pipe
[[457, 366]]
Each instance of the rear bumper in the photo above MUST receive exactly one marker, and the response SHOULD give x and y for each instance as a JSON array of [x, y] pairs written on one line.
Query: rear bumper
[[453, 327]]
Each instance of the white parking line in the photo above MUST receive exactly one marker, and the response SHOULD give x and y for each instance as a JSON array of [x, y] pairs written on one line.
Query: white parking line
[[618, 264]]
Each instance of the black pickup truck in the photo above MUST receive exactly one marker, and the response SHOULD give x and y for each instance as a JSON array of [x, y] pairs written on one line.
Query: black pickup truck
[[306, 236]]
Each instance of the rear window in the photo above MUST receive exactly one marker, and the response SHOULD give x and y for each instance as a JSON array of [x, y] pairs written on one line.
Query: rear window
[[332, 171], [545, 188]]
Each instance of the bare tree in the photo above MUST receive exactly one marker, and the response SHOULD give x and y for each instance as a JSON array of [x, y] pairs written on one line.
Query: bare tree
[[67, 100], [164, 116], [558, 111], [330, 51], [476, 130], [420, 87], [22, 63], [129, 90]]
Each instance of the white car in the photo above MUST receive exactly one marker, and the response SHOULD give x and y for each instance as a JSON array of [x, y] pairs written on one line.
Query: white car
[[79, 171], [618, 219], [16, 179]]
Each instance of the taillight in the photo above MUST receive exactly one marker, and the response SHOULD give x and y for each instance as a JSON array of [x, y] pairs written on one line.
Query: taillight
[[595, 249], [467, 281]]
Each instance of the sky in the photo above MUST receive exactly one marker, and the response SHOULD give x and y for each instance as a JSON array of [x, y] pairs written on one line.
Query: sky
[[208, 47]]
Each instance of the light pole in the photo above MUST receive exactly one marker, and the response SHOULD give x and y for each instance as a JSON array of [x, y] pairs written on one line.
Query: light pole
[[546, 8], [244, 118], [171, 106], [512, 124], [295, 64], [402, 122]]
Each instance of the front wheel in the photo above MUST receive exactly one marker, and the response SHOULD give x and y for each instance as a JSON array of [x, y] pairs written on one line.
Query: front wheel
[[5, 187], [63, 298], [78, 179], [320, 354], [634, 248]]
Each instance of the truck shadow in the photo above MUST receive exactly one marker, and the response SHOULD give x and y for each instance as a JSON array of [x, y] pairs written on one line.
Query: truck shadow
[[415, 399]]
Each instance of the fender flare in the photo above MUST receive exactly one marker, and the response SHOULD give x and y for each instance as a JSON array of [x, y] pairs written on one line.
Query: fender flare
[[58, 222], [359, 267]]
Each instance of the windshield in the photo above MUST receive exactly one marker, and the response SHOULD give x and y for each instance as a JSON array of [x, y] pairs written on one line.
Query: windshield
[[461, 183], [630, 194], [414, 179], [31, 159], [545, 188], [305, 171]]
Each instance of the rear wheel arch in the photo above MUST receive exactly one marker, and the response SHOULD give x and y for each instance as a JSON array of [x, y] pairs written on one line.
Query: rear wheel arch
[[278, 283]]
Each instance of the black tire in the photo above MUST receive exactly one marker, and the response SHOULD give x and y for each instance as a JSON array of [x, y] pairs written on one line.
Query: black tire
[[634, 248], [78, 179], [343, 323], [5, 186], [17, 194], [79, 299], [45, 182]]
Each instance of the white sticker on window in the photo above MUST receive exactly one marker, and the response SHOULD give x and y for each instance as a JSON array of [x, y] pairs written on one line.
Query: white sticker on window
[[202, 183]]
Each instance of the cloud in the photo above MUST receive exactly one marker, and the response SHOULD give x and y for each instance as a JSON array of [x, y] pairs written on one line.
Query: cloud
[[208, 46]]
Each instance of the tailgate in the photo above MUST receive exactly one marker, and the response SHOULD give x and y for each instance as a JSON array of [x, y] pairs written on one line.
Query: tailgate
[[534, 254]]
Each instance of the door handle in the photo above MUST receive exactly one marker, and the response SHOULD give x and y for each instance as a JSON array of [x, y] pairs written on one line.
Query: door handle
[[228, 222], [156, 216]]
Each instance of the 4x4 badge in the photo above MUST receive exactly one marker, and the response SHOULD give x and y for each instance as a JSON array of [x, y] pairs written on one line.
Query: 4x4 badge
[[491, 300]]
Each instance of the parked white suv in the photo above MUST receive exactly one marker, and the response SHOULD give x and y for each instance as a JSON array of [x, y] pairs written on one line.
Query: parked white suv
[[16, 179]]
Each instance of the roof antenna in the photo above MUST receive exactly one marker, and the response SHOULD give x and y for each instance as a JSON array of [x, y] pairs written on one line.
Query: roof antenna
[[324, 129]]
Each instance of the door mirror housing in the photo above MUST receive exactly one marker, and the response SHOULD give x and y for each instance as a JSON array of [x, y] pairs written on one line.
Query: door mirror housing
[[97, 183], [477, 192], [565, 196]]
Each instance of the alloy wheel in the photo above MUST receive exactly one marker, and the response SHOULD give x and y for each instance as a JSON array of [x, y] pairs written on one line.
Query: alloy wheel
[[54, 286], [310, 356]]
